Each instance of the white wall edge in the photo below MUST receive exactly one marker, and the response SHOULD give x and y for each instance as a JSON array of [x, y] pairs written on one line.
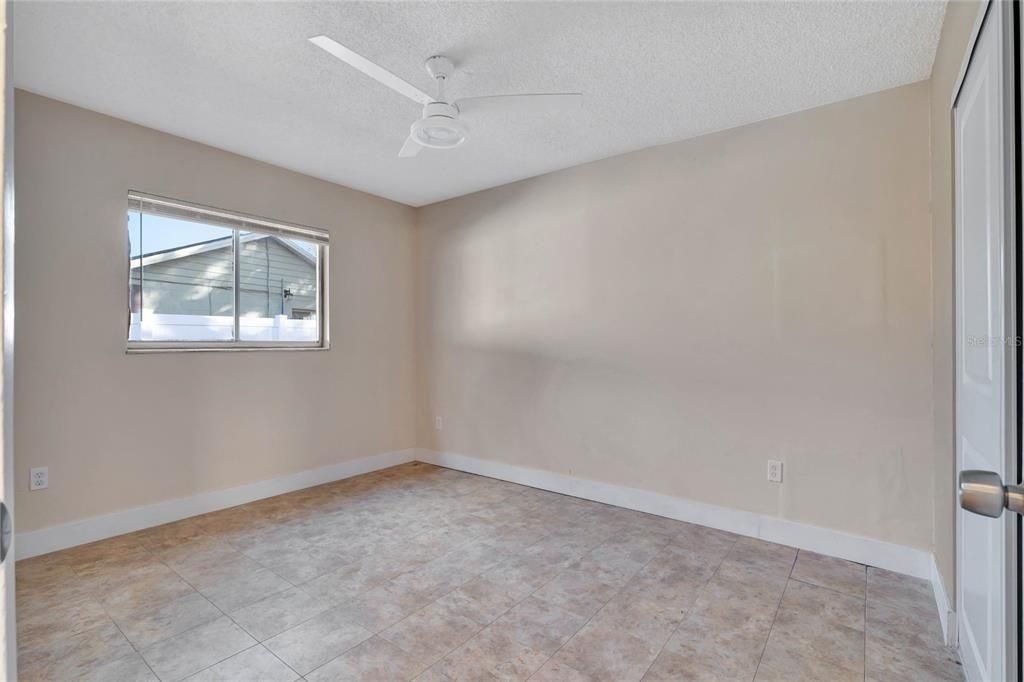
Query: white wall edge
[[947, 616], [53, 538], [890, 556]]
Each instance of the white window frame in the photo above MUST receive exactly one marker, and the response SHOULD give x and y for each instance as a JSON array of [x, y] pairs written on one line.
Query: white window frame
[[238, 222]]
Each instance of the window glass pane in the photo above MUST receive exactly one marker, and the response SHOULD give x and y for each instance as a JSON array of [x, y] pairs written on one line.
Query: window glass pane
[[181, 281], [277, 289]]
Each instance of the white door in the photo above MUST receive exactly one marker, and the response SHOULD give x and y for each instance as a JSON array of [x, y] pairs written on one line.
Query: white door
[[984, 355]]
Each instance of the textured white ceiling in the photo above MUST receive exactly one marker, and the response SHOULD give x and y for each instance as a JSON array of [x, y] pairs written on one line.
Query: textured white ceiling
[[241, 76]]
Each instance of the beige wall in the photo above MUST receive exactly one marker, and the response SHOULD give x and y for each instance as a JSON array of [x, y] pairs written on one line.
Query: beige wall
[[956, 32], [672, 318], [117, 430], [668, 319]]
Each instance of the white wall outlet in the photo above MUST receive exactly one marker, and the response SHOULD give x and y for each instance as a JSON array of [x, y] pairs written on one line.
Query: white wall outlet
[[774, 471], [439, 423], [40, 478]]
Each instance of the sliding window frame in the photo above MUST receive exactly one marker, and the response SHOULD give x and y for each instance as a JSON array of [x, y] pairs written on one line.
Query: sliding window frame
[[238, 222]]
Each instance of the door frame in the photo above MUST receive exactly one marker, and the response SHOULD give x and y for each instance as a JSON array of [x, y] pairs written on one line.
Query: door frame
[[1013, 52], [9, 661]]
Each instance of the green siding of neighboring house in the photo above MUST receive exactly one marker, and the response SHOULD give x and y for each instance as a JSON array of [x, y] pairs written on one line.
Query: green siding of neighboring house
[[200, 284]]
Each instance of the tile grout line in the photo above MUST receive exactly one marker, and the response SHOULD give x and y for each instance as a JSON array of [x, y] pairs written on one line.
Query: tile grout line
[[487, 570], [826, 587], [471, 518], [603, 606], [686, 613], [430, 603], [776, 615], [93, 594]]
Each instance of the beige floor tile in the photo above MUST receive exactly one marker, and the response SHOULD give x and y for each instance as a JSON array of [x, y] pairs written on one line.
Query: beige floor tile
[[278, 612], [304, 565], [309, 645], [44, 571], [670, 579], [349, 581], [266, 544], [766, 558], [581, 592], [722, 636], [742, 580], [205, 558], [651, 621], [375, 660], [902, 627], [836, 574], [143, 589], [704, 664], [129, 668], [443, 565], [522, 575], [193, 650], [902, 646], [816, 629], [110, 552], [232, 592], [42, 621], [495, 654], [71, 657], [889, 663], [255, 664], [482, 611], [539, 625], [434, 580], [556, 671], [709, 544], [171, 535], [381, 607], [604, 652], [432, 632], [432, 674], [900, 591], [785, 665], [495, 599], [143, 627]]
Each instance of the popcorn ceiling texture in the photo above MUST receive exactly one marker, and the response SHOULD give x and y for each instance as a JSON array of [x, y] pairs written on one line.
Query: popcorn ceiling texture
[[242, 77]]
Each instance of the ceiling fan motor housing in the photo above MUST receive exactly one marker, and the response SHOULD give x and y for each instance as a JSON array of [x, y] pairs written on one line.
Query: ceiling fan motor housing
[[440, 127]]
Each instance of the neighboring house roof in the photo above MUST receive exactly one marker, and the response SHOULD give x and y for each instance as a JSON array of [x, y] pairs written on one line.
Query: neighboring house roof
[[154, 257]]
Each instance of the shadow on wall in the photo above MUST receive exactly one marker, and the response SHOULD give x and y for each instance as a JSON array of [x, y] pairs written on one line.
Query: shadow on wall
[[673, 318]]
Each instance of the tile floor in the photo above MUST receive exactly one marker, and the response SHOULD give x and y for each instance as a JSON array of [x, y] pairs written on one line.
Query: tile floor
[[423, 573]]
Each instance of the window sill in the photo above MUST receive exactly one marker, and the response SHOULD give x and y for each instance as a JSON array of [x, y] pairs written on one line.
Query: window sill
[[147, 348]]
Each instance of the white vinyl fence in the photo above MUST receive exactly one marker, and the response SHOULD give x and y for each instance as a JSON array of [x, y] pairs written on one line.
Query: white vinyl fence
[[154, 327]]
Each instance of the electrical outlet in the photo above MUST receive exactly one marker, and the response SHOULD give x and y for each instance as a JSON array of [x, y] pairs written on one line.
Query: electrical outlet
[[439, 423], [40, 478], [774, 471]]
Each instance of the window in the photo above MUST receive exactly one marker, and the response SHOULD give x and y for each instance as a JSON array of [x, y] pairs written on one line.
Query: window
[[201, 278]]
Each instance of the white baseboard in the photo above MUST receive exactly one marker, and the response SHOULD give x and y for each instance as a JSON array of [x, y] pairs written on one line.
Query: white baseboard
[[53, 538], [947, 615], [887, 555], [893, 557]]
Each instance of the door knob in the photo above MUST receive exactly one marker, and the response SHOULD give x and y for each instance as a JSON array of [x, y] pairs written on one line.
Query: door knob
[[6, 531], [983, 492]]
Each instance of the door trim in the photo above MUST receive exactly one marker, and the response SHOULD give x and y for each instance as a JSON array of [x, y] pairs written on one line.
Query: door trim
[[1013, 263], [7, 340]]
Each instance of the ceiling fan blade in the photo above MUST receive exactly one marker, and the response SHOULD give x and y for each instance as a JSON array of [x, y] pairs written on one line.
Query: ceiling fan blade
[[410, 148], [378, 73], [528, 103]]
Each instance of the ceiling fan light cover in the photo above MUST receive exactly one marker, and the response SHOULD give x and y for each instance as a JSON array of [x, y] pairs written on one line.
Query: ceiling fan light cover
[[439, 132]]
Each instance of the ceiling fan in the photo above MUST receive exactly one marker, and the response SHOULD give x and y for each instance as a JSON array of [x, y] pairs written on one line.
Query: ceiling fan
[[441, 127]]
